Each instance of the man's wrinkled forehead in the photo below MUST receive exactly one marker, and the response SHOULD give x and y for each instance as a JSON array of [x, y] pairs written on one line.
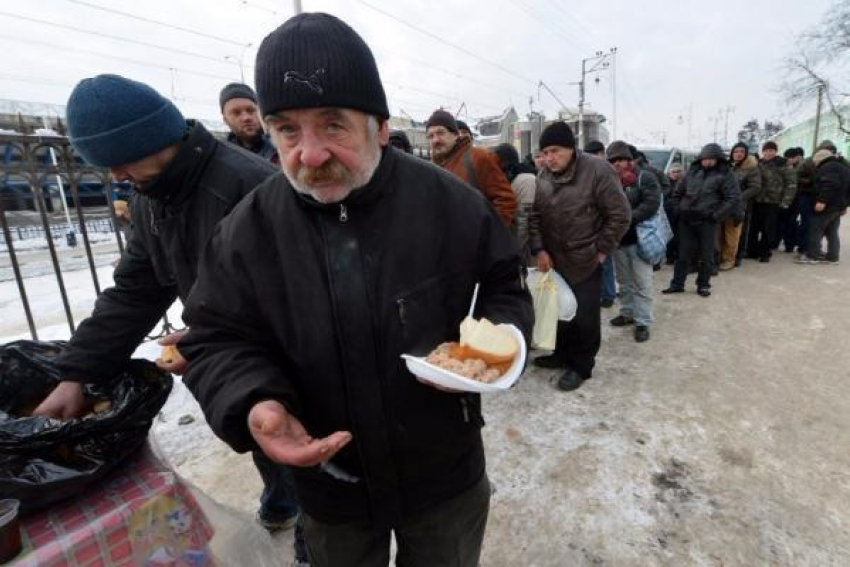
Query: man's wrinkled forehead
[[331, 113]]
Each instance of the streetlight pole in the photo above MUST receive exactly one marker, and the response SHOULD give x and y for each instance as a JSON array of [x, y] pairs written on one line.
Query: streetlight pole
[[296, 5]]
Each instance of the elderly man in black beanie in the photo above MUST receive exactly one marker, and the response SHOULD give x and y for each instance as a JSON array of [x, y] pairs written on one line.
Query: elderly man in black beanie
[[239, 111], [580, 214], [314, 286], [184, 181]]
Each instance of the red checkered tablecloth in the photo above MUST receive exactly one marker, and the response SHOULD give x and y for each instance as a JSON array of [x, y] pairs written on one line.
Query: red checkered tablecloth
[[141, 514]]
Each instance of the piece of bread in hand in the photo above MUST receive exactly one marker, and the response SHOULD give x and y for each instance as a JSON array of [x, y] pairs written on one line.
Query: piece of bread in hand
[[169, 354], [491, 343]]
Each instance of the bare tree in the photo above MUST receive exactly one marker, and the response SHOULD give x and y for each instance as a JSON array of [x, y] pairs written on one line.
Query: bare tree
[[820, 63]]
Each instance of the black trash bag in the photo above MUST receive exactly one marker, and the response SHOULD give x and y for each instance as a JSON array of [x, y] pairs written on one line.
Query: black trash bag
[[44, 460]]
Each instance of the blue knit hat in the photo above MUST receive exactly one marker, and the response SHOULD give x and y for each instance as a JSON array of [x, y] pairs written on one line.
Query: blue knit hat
[[113, 120]]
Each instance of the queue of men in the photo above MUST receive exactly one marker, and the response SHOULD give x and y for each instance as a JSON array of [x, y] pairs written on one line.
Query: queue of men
[[304, 281]]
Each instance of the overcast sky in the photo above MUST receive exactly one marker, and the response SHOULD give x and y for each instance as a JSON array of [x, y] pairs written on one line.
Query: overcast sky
[[675, 59]]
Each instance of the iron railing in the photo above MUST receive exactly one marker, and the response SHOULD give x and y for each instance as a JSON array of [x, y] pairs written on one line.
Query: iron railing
[[25, 171]]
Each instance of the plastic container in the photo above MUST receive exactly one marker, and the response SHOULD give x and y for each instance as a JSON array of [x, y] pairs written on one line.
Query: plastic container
[[418, 366], [10, 530]]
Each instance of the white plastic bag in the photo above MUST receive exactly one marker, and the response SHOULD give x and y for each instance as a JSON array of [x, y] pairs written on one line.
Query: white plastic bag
[[553, 301], [544, 293]]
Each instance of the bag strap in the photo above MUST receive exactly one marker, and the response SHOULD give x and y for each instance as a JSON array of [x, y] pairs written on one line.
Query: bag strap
[[470, 169]]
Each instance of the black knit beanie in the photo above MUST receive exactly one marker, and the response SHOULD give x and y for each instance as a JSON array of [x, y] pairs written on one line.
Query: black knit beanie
[[594, 147], [557, 134], [235, 90], [442, 118], [316, 60], [769, 145]]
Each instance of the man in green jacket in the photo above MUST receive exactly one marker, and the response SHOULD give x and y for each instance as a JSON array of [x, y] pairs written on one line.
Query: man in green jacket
[[779, 185]]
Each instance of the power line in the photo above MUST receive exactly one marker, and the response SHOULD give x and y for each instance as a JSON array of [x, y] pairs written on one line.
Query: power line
[[453, 74], [446, 42], [116, 57], [114, 37], [157, 22], [50, 82], [529, 10]]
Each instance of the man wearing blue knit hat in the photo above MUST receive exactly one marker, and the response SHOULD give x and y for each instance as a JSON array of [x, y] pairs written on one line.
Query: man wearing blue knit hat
[[185, 181]]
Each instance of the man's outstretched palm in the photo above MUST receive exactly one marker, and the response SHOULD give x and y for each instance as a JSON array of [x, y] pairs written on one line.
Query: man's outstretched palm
[[283, 438]]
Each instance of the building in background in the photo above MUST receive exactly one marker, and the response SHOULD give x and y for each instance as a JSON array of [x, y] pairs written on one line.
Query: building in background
[[802, 134]]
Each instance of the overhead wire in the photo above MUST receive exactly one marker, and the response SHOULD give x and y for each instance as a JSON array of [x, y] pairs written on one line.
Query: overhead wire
[[446, 42], [157, 22], [114, 37], [116, 57], [529, 10]]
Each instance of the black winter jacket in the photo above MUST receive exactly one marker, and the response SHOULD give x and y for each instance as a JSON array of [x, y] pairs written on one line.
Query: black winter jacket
[[706, 195], [312, 305], [832, 184], [645, 198], [171, 223]]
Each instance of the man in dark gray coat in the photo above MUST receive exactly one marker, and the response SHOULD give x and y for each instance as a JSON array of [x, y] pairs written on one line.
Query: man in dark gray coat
[[706, 196]]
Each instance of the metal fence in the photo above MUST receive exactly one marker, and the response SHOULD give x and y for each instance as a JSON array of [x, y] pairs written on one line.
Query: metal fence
[[26, 171], [59, 231]]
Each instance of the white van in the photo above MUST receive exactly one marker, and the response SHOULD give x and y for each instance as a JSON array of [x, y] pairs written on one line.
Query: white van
[[662, 157]]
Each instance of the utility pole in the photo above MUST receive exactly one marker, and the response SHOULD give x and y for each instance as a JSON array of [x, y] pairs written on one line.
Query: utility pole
[[296, 5], [614, 89], [600, 63], [727, 111], [817, 117]]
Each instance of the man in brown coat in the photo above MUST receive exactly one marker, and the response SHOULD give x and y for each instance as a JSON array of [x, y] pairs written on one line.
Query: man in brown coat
[[476, 166], [580, 214]]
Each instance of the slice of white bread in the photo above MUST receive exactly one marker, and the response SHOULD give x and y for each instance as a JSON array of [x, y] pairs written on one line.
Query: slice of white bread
[[482, 339]]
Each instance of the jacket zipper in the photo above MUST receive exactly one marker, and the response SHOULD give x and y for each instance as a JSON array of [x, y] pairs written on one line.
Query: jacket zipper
[[465, 407], [343, 214], [402, 310]]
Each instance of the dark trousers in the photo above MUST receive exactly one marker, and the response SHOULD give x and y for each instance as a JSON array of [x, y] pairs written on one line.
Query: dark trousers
[[278, 501], [788, 227], [673, 245], [763, 229], [695, 238], [806, 205], [745, 232], [824, 225], [449, 534], [578, 340]]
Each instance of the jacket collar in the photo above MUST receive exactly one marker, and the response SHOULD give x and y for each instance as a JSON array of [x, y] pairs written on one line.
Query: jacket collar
[[568, 174], [461, 146], [177, 181], [376, 188], [258, 144], [748, 162]]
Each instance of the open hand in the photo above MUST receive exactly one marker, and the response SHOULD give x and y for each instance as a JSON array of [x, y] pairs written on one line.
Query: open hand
[[283, 439]]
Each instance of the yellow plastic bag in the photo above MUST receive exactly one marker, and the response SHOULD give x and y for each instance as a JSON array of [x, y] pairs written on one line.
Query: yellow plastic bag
[[544, 293]]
